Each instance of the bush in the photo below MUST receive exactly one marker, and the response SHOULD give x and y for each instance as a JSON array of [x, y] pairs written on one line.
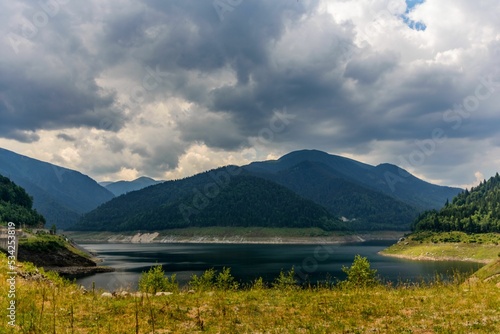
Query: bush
[[204, 282], [258, 284], [154, 280], [210, 279], [360, 274], [225, 281], [285, 281]]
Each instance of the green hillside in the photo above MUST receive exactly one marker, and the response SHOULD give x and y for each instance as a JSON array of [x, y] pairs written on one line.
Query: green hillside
[[384, 197], [16, 205], [473, 211], [200, 201], [61, 195]]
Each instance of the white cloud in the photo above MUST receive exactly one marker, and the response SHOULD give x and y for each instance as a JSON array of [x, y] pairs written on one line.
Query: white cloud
[[358, 80]]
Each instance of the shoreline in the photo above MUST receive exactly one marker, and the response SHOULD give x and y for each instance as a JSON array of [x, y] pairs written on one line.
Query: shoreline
[[165, 238], [434, 258], [79, 271]]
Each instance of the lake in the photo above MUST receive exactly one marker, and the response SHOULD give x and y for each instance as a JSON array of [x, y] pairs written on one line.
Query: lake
[[250, 261]]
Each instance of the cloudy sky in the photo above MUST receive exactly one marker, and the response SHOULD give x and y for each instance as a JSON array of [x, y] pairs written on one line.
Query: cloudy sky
[[119, 89]]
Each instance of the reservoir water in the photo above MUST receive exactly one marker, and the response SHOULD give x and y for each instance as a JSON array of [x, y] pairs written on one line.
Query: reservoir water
[[250, 261]]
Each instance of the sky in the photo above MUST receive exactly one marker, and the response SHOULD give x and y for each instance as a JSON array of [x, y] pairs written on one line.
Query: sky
[[121, 89]]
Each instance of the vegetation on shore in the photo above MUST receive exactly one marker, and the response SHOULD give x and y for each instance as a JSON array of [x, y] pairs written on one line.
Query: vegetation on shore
[[466, 229], [45, 243], [457, 246], [52, 305]]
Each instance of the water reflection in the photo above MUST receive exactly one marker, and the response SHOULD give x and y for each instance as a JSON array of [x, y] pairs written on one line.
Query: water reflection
[[250, 261]]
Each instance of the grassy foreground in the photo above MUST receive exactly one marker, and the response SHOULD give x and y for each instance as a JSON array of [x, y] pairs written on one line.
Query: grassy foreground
[[57, 306]]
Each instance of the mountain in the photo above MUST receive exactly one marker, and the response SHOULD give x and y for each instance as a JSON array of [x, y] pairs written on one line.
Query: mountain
[[16, 205], [220, 197], [474, 211], [366, 197], [122, 187], [61, 195], [378, 197]]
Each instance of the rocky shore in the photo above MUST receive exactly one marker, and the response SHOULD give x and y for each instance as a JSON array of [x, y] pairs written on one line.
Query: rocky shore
[[63, 261], [166, 237], [79, 271]]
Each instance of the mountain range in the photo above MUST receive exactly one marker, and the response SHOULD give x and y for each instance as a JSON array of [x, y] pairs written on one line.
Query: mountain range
[[365, 197], [354, 195], [61, 195], [381, 197], [122, 187]]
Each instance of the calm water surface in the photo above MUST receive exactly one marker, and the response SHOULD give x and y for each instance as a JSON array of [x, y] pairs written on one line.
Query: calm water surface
[[250, 261]]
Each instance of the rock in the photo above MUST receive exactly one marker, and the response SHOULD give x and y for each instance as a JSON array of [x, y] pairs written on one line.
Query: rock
[[107, 295], [123, 294], [139, 294], [161, 293]]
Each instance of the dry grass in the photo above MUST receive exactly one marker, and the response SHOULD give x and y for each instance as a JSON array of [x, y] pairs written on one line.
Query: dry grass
[[55, 306]]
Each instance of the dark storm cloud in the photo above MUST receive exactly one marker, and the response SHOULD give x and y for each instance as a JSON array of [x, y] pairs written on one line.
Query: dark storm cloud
[[214, 131], [106, 65], [369, 69], [31, 102], [66, 137], [48, 77]]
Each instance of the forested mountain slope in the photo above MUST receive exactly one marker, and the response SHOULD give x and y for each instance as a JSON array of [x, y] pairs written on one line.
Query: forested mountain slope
[[16, 206], [381, 197], [215, 198], [474, 211], [61, 195]]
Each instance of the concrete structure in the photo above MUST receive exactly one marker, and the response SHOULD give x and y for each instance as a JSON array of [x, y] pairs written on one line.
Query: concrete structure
[[4, 239]]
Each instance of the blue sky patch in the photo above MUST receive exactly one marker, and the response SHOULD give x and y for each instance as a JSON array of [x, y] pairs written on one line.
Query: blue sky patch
[[410, 4]]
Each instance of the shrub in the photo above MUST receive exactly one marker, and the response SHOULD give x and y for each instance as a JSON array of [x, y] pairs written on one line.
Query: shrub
[[258, 284], [225, 281], [204, 282], [360, 274], [285, 281], [154, 280]]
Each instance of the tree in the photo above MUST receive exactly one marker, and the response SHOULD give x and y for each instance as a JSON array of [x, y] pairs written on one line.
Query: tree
[[360, 274], [154, 281], [53, 229]]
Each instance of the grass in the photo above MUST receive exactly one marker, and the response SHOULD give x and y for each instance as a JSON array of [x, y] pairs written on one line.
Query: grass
[[448, 246], [47, 243], [58, 306]]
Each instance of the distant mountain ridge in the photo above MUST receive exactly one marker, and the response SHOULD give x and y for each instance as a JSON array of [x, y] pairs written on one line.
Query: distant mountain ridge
[[369, 197], [122, 187], [61, 195], [388, 179], [209, 199]]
